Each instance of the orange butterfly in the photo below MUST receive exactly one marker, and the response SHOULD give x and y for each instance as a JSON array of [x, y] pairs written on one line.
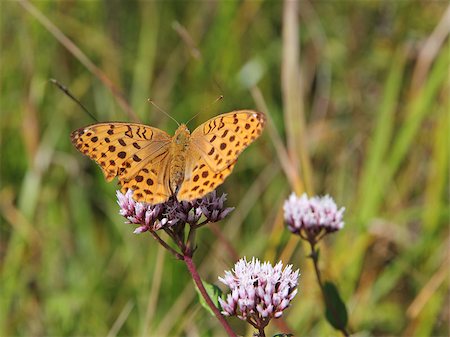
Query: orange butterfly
[[156, 166]]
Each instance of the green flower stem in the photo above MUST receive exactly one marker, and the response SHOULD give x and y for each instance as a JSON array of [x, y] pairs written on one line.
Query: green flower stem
[[315, 257]]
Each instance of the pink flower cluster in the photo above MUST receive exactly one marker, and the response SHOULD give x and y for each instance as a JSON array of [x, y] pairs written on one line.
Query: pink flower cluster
[[312, 215], [259, 292], [172, 212], [139, 213]]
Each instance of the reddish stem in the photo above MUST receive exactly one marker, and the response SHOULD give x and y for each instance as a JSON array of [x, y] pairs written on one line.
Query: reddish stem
[[198, 281], [166, 246]]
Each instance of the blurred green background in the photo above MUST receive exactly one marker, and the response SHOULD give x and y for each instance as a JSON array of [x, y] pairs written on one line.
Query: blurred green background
[[358, 94]]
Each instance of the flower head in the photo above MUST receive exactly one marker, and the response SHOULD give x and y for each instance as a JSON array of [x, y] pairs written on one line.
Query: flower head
[[139, 213], [171, 212], [259, 292], [312, 216], [213, 207]]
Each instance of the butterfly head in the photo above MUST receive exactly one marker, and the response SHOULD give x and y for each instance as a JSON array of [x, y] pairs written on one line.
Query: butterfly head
[[182, 135]]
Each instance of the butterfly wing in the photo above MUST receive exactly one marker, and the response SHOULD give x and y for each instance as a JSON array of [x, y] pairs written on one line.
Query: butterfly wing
[[214, 148], [150, 184], [136, 153]]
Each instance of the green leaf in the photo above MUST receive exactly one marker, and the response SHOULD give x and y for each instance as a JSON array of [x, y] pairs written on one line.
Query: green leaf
[[335, 310], [214, 293]]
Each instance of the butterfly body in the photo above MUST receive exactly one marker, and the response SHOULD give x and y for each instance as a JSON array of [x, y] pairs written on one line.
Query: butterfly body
[[156, 166], [178, 150]]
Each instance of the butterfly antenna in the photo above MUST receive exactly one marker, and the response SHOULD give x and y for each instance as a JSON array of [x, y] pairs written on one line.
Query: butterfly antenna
[[161, 110], [65, 90], [215, 101]]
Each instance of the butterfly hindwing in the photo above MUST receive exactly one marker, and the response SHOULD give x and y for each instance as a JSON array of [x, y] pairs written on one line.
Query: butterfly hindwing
[[199, 179], [150, 184]]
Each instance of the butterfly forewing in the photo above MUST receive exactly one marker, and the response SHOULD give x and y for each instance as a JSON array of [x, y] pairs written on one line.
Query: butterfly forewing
[[115, 146], [214, 149]]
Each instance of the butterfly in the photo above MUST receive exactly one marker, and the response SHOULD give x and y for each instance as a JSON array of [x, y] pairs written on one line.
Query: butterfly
[[157, 166]]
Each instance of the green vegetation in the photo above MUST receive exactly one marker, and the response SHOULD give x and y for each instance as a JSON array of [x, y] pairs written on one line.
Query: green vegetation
[[368, 124]]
